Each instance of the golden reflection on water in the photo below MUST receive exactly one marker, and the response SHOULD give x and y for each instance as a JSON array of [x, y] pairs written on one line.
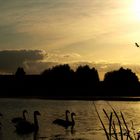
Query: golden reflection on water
[[87, 124]]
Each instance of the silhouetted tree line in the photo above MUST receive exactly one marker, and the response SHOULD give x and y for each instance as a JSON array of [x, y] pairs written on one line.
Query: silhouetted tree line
[[121, 82], [63, 82]]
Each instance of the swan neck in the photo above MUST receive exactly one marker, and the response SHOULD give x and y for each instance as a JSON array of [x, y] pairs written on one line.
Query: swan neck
[[73, 122], [24, 116], [67, 118], [36, 121]]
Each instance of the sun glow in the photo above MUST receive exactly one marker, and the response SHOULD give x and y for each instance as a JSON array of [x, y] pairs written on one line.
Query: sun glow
[[136, 9]]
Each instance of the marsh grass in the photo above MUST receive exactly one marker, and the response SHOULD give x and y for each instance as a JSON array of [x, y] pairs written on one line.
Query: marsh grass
[[117, 120]]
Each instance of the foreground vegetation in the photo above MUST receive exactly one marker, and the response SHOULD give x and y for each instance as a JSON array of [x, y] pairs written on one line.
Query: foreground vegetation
[[118, 128]]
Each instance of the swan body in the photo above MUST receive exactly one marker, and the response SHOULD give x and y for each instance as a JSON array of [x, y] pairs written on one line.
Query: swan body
[[26, 127], [66, 123], [62, 122], [18, 119]]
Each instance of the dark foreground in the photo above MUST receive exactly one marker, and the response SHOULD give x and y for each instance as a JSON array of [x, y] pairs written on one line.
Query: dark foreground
[[61, 82]]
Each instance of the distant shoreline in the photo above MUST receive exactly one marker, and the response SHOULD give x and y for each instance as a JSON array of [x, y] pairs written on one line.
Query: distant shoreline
[[134, 98]]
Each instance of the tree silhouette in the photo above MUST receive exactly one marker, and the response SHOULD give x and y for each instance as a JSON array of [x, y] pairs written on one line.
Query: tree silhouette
[[59, 72], [20, 72], [87, 79], [59, 77], [123, 79], [61, 81], [86, 74]]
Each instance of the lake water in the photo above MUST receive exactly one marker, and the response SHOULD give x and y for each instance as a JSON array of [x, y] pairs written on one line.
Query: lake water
[[87, 125]]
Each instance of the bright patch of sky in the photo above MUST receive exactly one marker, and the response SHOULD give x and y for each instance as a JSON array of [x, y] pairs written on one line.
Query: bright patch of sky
[[73, 30]]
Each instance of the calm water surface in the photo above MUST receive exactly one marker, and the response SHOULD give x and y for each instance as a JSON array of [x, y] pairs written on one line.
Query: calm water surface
[[87, 125]]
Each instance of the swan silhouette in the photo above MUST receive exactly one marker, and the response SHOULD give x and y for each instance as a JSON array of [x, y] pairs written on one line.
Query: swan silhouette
[[18, 119], [62, 122], [72, 122], [26, 127], [66, 123]]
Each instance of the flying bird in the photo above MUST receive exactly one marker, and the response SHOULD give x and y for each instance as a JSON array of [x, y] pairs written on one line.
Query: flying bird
[[137, 44]]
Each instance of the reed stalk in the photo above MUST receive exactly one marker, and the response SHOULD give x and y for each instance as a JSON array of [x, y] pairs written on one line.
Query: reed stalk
[[104, 128], [112, 133]]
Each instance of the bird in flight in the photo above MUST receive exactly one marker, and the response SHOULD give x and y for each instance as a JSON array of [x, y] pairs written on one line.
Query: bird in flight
[[137, 44]]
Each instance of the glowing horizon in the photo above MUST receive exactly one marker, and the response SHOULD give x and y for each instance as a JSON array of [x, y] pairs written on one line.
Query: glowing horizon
[[73, 31]]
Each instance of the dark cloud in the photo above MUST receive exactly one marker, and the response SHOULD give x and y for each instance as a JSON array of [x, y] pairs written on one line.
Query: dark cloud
[[11, 59]]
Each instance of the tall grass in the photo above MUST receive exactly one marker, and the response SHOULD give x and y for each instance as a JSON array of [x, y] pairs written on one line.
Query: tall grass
[[116, 120]]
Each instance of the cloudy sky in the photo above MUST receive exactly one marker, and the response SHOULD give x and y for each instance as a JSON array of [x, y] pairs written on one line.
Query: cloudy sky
[[39, 33]]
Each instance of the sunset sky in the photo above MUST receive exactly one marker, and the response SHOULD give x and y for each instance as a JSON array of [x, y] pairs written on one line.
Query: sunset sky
[[37, 34]]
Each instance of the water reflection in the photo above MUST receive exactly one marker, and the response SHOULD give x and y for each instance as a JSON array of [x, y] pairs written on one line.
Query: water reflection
[[1, 134], [69, 132], [87, 125], [35, 136]]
